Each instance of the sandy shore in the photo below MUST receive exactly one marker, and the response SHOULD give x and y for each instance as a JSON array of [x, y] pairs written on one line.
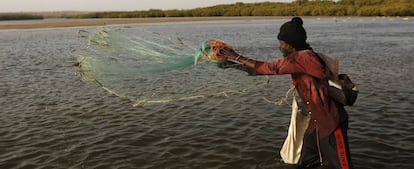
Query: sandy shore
[[51, 23]]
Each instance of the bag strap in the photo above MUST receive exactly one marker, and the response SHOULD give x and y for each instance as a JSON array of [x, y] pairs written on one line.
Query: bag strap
[[331, 66]]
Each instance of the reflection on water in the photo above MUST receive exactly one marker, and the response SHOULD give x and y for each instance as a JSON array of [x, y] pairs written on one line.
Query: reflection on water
[[50, 119]]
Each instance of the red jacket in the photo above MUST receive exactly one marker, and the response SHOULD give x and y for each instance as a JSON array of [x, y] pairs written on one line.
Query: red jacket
[[310, 80]]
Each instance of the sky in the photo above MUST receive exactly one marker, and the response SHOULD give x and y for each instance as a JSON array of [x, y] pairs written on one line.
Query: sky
[[111, 5]]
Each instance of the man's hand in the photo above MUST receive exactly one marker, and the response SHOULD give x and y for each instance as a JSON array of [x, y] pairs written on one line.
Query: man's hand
[[240, 62], [229, 53], [228, 64]]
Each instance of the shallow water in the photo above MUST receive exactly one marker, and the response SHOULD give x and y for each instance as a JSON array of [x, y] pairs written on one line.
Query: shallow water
[[50, 119]]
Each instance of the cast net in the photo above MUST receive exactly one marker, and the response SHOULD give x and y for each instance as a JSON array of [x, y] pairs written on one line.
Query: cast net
[[149, 67]]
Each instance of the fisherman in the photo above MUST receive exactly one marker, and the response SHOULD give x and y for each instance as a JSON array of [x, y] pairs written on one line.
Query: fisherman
[[325, 139]]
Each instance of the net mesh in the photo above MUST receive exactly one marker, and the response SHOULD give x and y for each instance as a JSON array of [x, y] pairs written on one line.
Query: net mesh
[[150, 67]]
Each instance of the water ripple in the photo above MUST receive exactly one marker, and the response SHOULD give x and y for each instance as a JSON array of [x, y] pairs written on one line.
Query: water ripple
[[50, 119]]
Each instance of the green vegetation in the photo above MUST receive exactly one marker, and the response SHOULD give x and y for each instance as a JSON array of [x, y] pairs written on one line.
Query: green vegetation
[[19, 16], [298, 8], [295, 8]]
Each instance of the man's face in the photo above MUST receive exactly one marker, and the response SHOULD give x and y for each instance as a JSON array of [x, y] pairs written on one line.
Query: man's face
[[285, 48]]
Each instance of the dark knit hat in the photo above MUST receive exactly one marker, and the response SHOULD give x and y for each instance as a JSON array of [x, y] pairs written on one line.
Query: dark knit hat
[[293, 33]]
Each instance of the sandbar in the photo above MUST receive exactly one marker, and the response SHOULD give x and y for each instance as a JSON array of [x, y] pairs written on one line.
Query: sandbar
[[54, 23]]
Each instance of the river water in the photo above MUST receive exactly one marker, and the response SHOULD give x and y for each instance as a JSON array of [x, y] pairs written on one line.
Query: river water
[[51, 119]]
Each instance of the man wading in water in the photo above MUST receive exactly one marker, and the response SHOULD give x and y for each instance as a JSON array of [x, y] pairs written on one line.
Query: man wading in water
[[325, 140]]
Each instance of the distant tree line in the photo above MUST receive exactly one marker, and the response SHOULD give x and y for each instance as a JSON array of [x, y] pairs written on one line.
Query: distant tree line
[[298, 7], [295, 8], [18, 16]]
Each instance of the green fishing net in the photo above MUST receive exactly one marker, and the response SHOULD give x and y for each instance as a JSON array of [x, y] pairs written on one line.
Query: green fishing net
[[150, 67]]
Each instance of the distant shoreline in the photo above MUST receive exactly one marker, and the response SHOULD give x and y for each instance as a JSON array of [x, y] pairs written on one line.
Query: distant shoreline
[[56, 23], [60, 23]]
